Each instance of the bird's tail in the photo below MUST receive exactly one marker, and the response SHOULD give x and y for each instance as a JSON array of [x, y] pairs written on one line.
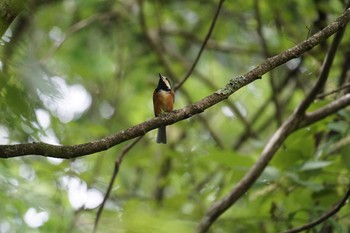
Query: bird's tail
[[161, 136]]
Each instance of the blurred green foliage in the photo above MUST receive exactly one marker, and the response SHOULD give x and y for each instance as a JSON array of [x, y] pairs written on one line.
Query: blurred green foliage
[[99, 51]]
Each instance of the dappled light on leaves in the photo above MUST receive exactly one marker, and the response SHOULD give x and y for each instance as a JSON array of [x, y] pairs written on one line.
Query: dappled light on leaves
[[227, 111], [79, 195], [71, 102], [106, 110], [259, 141], [4, 135], [43, 118], [34, 218]]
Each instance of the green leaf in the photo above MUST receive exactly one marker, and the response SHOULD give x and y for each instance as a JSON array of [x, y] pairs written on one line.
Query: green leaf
[[345, 155], [312, 165], [300, 181], [231, 159]]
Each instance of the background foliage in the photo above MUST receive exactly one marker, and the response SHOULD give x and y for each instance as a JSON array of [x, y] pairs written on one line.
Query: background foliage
[[76, 70]]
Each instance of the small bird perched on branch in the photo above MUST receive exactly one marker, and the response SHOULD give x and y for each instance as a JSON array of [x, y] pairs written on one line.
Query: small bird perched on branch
[[163, 102]]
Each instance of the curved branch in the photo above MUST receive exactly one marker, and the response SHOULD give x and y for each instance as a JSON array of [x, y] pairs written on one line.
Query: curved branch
[[323, 217], [326, 67], [114, 175], [289, 126], [266, 54], [211, 29], [337, 90], [325, 111], [211, 44], [10, 9], [77, 26], [65, 152], [8, 12], [250, 131]]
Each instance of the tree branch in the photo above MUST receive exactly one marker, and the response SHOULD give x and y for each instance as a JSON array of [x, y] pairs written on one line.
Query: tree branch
[[161, 49], [266, 54], [337, 90], [114, 175], [325, 111], [250, 131], [211, 29], [77, 26], [326, 66], [66, 152], [323, 217], [211, 44], [289, 126], [9, 9]]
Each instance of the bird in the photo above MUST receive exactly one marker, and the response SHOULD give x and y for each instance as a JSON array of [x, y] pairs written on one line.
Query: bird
[[163, 102]]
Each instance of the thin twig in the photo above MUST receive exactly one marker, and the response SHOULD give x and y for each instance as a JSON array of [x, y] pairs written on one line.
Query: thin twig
[[73, 29], [323, 95], [211, 29], [154, 42], [337, 146], [206, 81], [163, 173], [250, 131], [158, 46], [266, 52], [205, 123], [327, 110], [211, 44], [326, 66], [114, 175], [323, 217]]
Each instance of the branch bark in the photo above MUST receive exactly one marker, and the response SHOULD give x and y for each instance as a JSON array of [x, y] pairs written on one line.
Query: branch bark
[[290, 125], [327, 110], [323, 217], [66, 152], [9, 9], [211, 29], [117, 165]]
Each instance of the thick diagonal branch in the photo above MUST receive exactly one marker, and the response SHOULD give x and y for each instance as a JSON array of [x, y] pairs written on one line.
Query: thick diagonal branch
[[290, 125]]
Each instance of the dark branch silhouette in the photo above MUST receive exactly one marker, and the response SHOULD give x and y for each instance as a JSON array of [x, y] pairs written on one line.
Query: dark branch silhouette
[[129, 147], [117, 164], [323, 217], [337, 90], [211, 29], [289, 126]]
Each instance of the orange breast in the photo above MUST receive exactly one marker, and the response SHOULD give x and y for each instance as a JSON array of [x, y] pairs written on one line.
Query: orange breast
[[163, 101]]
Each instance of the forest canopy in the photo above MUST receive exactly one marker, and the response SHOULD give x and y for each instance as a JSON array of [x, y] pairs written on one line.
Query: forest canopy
[[259, 140]]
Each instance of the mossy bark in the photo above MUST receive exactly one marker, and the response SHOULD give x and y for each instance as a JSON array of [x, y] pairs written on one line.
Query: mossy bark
[[9, 9]]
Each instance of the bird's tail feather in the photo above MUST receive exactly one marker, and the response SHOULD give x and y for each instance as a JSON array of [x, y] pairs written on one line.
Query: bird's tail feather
[[161, 136]]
